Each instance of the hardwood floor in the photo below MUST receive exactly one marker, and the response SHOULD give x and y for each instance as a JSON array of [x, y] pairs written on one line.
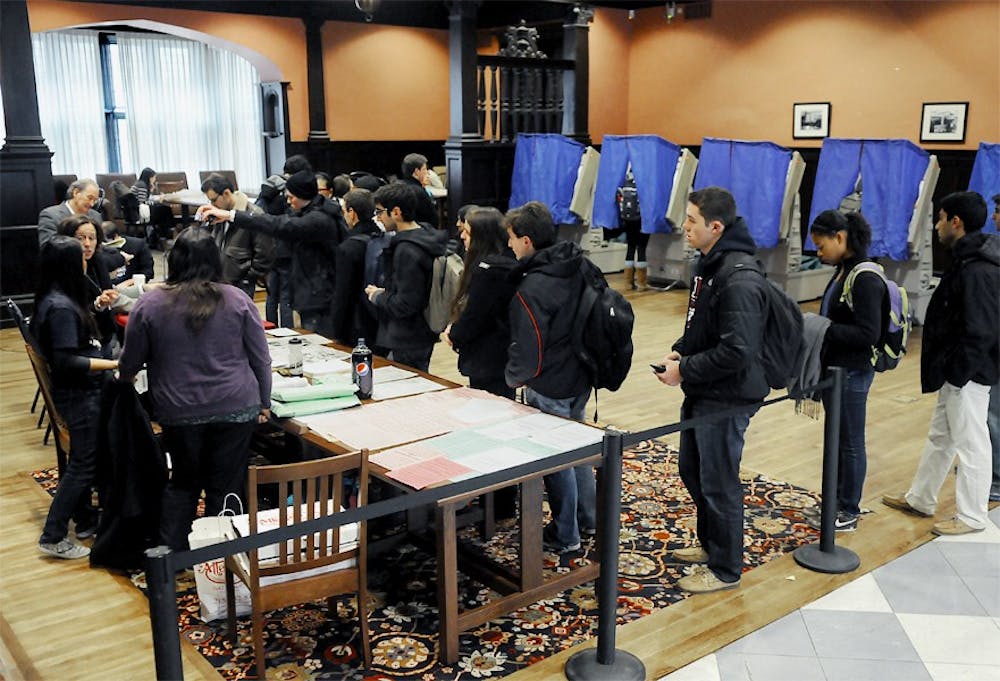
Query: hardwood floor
[[62, 620]]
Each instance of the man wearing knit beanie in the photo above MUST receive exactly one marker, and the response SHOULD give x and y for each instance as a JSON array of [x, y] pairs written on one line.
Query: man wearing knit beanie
[[314, 228]]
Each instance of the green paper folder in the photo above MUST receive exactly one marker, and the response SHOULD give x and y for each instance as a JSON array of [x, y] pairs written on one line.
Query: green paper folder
[[292, 409], [313, 392]]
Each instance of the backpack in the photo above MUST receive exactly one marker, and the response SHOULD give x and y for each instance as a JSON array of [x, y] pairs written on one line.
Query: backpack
[[602, 330], [896, 322], [783, 344], [628, 201], [446, 274], [374, 262]]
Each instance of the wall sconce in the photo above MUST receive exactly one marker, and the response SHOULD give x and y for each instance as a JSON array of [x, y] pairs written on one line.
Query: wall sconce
[[368, 7], [670, 11]]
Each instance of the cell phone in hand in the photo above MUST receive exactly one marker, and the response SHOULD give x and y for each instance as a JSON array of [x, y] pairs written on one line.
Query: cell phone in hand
[[658, 368]]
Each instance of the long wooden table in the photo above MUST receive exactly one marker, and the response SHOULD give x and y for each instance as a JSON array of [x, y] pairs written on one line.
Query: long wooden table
[[517, 588]]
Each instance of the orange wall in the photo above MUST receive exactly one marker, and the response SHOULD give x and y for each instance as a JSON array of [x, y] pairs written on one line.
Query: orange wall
[[280, 40], [385, 82], [737, 74], [610, 85]]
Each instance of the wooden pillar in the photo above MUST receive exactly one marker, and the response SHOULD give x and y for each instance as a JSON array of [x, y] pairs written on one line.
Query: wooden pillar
[[463, 131], [25, 160], [576, 83], [317, 91]]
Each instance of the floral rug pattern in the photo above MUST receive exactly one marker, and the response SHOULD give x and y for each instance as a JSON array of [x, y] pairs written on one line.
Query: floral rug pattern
[[309, 643]]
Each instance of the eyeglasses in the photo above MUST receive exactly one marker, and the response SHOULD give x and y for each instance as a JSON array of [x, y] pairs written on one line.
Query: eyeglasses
[[215, 198], [380, 210]]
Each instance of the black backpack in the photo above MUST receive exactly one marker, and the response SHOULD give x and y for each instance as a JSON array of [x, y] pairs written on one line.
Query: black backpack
[[602, 329], [783, 346], [628, 201]]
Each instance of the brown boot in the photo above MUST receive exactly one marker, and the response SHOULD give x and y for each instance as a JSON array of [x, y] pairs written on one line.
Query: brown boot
[[629, 276], [641, 283]]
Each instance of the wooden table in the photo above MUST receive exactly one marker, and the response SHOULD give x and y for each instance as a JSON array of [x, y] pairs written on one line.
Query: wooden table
[[517, 588]]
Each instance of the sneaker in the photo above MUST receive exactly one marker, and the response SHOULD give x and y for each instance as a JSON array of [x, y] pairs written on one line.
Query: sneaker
[[86, 532], [703, 580], [844, 522], [995, 495], [953, 526], [899, 502], [588, 532], [64, 549], [691, 554], [550, 543]]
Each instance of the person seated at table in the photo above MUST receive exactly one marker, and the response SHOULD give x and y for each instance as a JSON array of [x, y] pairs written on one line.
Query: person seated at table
[[65, 328], [106, 297], [80, 200], [142, 258], [314, 228], [209, 374], [246, 255]]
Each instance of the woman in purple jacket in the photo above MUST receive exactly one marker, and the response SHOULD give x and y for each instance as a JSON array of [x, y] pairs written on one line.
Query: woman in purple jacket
[[209, 376]]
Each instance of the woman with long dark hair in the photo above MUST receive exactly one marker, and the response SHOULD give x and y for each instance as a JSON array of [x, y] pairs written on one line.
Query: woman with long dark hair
[[480, 333], [65, 328], [209, 375], [855, 327]]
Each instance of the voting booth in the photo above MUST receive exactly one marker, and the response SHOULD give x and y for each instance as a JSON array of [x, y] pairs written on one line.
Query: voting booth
[[896, 180], [765, 178], [985, 179]]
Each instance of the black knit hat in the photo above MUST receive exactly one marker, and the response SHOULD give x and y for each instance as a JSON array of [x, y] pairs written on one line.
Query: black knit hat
[[302, 185]]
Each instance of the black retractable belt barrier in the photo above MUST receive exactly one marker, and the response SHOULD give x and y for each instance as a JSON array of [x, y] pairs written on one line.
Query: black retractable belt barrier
[[163, 614], [605, 662], [826, 557]]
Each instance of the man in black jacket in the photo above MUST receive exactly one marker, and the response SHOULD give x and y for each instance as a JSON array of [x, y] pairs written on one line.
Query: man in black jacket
[[959, 359], [716, 363], [542, 358], [408, 263], [351, 317], [314, 228], [141, 261], [414, 173]]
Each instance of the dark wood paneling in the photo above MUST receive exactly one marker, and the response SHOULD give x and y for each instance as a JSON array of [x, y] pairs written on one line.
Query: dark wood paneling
[[377, 157]]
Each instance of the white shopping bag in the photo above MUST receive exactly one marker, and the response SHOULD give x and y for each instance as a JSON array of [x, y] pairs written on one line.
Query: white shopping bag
[[210, 577]]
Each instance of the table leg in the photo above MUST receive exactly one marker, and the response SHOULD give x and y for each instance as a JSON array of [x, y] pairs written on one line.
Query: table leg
[[531, 533], [447, 568], [488, 524]]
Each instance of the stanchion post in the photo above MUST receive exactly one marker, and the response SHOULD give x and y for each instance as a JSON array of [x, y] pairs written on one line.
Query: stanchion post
[[605, 663], [163, 614], [827, 557]]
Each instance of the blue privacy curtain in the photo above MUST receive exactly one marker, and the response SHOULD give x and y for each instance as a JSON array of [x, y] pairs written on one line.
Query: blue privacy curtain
[[545, 169], [891, 171], [986, 178], [654, 161], [755, 173]]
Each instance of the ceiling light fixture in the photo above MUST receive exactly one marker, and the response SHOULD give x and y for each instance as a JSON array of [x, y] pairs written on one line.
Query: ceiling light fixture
[[368, 7]]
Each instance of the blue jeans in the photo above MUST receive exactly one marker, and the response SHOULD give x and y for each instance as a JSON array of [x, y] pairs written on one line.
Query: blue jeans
[[279, 296], [852, 458], [572, 492], [709, 465], [418, 358], [81, 409]]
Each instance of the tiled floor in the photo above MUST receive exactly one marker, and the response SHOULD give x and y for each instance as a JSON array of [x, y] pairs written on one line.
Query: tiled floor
[[931, 615]]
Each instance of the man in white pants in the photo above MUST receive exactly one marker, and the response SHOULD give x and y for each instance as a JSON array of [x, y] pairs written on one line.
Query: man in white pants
[[959, 359]]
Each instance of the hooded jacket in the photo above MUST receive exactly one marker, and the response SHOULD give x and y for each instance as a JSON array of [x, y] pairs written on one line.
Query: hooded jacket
[[963, 318], [481, 334], [851, 335], [313, 235], [351, 318], [541, 353], [721, 346], [409, 260]]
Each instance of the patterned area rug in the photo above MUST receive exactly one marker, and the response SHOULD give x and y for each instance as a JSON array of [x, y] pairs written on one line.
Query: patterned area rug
[[307, 642]]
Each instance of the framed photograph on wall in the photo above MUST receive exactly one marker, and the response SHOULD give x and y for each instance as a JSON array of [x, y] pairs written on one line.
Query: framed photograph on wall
[[811, 120], [944, 121]]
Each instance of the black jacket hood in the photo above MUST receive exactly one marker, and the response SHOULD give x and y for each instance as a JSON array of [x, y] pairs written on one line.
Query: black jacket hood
[[561, 259], [736, 237]]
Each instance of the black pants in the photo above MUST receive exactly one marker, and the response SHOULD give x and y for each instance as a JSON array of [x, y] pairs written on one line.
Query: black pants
[[709, 465], [209, 456]]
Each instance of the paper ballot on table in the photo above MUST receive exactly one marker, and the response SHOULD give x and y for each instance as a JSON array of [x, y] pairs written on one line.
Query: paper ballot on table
[[525, 426], [400, 457], [406, 387], [500, 458], [281, 332], [279, 382], [429, 472], [569, 436], [389, 373]]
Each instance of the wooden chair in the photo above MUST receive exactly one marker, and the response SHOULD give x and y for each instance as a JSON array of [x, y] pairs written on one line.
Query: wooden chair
[[59, 428], [104, 182], [228, 174], [29, 339], [168, 183], [307, 568], [60, 186]]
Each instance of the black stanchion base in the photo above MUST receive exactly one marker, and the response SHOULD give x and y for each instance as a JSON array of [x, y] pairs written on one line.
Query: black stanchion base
[[583, 666], [837, 561]]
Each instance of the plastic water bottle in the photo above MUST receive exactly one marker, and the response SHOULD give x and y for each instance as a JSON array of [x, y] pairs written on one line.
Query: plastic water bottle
[[361, 369], [295, 356]]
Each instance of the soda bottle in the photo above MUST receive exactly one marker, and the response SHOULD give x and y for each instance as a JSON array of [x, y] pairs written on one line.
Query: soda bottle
[[295, 357], [361, 369]]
